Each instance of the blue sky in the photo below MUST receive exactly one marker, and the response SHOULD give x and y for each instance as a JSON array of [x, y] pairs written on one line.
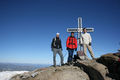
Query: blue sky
[[28, 26]]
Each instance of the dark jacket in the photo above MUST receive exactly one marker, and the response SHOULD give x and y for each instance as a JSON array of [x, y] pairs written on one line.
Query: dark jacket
[[56, 43]]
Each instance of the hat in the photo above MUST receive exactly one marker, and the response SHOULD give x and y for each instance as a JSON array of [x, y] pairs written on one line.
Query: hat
[[57, 33]]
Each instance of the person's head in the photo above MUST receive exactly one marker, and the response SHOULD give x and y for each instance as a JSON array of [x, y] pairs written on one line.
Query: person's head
[[72, 34], [57, 35], [84, 30]]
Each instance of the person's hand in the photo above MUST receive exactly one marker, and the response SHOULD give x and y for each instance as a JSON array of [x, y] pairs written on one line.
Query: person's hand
[[61, 49], [75, 49], [90, 44], [67, 48], [81, 44]]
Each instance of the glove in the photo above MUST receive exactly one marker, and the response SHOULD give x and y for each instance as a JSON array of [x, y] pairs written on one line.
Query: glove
[[67, 48], [90, 44], [75, 49], [81, 44], [61, 49]]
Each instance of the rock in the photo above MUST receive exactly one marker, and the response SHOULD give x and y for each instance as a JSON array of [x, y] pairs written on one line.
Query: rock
[[58, 73], [34, 74], [95, 71], [117, 54], [110, 60], [25, 76]]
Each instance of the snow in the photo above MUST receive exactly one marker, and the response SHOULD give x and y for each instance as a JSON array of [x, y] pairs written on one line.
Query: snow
[[6, 75]]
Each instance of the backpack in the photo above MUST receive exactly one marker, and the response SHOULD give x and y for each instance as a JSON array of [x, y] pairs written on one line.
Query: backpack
[[55, 41]]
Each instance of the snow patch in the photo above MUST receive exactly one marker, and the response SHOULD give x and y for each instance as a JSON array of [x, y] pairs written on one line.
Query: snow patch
[[6, 75]]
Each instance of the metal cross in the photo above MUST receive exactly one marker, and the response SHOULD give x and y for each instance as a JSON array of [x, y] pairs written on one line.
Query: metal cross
[[79, 30]]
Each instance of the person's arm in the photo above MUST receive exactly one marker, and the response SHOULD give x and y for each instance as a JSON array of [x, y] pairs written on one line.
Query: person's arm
[[67, 42], [61, 44], [52, 43], [90, 39], [75, 43]]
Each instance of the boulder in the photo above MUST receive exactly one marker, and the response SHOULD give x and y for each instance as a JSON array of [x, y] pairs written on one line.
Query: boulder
[[95, 71], [52, 73], [110, 60]]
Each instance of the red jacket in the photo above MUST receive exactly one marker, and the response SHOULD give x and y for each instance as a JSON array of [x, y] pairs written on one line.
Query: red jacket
[[71, 43]]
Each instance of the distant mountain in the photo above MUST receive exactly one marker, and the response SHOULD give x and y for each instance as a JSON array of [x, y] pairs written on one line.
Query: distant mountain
[[20, 66]]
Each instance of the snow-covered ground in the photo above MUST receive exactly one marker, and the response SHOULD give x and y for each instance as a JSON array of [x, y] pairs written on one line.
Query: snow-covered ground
[[6, 75]]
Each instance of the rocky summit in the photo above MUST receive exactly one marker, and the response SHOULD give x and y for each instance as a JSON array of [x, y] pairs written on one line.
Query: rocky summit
[[79, 70], [51, 73]]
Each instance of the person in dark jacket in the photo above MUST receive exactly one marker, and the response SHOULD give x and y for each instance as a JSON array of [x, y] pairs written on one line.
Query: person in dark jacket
[[71, 45], [56, 47]]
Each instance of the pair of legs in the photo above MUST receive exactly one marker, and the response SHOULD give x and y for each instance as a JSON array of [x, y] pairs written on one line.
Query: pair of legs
[[87, 46], [70, 55], [55, 51]]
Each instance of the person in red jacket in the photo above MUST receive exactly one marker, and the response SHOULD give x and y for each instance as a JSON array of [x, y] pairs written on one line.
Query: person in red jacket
[[71, 45]]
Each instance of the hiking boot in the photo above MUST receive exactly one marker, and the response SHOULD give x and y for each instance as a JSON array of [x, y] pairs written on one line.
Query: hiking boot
[[69, 63], [54, 65], [62, 64]]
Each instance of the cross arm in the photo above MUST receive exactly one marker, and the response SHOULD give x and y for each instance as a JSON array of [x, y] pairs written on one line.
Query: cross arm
[[79, 29]]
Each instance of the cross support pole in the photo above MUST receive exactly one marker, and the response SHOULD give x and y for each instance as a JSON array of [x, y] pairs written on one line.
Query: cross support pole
[[79, 31]]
